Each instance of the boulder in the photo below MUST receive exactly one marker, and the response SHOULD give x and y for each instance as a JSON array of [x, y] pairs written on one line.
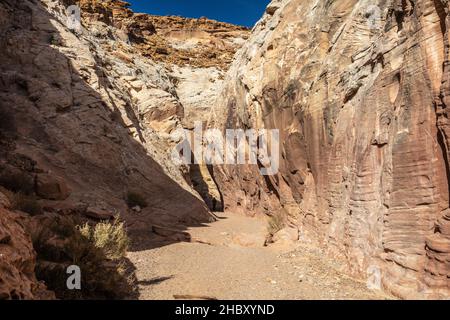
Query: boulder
[[99, 214], [51, 187], [137, 209], [272, 8], [16, 179]]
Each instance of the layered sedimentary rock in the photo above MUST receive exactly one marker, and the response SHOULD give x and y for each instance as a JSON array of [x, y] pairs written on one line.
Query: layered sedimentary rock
[[195, 52], [84, 107], [194, 42], [359, 91], [200, 43]]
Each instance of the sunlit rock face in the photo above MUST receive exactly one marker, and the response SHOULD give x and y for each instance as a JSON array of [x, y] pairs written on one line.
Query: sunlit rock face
[[359, 91]]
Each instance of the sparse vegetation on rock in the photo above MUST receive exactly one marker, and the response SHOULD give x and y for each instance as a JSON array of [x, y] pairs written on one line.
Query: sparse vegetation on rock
[[276, 223]]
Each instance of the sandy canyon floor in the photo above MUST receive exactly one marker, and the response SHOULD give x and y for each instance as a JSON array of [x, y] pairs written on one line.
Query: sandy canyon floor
[[227, 260]]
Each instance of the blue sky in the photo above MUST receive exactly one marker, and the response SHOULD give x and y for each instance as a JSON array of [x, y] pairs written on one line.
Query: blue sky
[[241, 12]]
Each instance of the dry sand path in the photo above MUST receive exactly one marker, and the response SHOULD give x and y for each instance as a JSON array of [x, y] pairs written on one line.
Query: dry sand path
[[227, 261]]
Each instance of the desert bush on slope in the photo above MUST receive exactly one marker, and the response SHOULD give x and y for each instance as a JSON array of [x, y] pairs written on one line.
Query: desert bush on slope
[[98, 250]]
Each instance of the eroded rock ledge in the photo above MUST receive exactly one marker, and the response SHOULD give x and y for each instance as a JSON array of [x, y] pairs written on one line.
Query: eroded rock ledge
[[175, 40]]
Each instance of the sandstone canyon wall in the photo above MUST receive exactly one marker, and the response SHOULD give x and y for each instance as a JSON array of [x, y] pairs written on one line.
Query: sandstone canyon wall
[[96, 108], [86, 117], [17, 258], [359, 91]]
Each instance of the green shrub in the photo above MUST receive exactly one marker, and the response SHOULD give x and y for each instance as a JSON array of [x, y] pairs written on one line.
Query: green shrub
[[134, 199]]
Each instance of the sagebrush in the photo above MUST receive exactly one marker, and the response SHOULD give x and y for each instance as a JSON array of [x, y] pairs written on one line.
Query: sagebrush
[[111, 238], [99, 251]]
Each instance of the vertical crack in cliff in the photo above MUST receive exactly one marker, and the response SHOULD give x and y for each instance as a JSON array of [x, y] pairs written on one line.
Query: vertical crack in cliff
[[203, 181], [445, 154], [440, 105]]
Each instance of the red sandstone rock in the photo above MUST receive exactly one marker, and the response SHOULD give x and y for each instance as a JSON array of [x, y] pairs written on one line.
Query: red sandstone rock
[[17, 261], [51, 187], [98, 214]]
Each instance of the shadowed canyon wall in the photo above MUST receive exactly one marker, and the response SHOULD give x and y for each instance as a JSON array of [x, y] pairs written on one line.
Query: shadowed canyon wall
[[86, 118], [359, 91]]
